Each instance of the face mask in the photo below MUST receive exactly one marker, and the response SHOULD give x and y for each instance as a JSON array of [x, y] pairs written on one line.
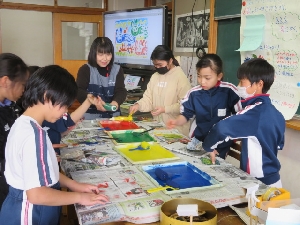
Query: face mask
[[162, 70], [243, 92]]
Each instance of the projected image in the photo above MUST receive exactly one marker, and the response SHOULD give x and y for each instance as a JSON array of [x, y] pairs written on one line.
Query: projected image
[[131, 38]]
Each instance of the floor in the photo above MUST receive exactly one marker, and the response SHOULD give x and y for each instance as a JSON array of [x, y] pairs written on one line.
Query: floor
[[68, 216], [65, 221]]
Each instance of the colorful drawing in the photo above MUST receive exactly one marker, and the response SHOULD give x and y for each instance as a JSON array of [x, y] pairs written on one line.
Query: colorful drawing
[[135, 206], [171, 137], [155, 153], [86, 141], [132, 37]]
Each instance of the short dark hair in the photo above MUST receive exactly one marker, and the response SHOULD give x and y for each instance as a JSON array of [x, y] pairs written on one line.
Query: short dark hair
[[255, 70], [212, 61], [52, 83], [163, 52], [101, 45], [13, 67], [32, 69]]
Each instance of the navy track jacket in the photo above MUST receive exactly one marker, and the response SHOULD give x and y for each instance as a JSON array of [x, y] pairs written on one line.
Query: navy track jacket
[[261, 127], [210, 106]]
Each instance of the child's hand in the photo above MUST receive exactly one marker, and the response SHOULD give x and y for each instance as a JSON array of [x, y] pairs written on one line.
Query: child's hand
[[213, 156], [171, 123], [70, 129], [158, 110], [83, 187], [134, 108], [73, 127], [97, 101], [93, 199], [94, 100]]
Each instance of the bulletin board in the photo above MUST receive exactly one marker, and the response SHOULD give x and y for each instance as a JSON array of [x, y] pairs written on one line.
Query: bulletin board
[[272, 30]]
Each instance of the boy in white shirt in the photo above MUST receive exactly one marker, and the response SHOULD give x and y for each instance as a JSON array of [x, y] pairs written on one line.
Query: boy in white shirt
[[31, 168]]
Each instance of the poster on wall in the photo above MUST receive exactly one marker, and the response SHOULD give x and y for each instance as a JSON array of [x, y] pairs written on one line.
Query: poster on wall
[[191, 31], [270, 30]]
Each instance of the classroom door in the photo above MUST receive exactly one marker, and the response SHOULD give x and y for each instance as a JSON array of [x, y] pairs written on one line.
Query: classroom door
[[73, 35]]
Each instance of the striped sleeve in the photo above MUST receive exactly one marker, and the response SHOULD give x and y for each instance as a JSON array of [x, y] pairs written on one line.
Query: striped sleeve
[[41, 155], [187, 108]]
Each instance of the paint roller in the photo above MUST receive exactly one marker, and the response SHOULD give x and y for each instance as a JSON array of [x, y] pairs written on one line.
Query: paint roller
[[110, 107], [163, 175], [187, 210]]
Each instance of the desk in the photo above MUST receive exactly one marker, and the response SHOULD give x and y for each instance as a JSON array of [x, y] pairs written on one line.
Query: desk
[[140, 207]]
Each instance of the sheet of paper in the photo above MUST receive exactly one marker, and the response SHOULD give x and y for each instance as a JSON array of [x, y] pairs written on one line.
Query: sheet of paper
[[277, 216], [253, 32], [131, 82]]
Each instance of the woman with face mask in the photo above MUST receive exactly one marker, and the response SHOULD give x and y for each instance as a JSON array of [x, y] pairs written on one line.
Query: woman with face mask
[[167, 86]]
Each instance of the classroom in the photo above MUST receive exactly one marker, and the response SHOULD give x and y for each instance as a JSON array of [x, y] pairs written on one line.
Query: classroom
[[46, 32]]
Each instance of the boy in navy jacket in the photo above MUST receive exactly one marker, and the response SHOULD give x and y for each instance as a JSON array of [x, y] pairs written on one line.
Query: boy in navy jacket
[[260, 126], [209, 102]]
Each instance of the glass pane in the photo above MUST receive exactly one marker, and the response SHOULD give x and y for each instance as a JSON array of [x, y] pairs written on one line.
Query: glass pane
[[36, 2], [77, 38], [82, 3]]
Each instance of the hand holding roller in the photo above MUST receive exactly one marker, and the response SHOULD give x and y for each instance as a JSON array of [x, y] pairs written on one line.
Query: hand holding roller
[[110, 107]]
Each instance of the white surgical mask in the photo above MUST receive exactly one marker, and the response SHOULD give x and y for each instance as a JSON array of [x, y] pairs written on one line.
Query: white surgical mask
[[243, 92]]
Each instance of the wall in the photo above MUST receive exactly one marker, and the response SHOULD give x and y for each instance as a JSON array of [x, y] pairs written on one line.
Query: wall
[[289, 159], [27, 34], [74, 3], [124, 4], [35, 29]]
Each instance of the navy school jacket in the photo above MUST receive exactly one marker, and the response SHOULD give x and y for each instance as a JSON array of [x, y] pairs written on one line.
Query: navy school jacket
[[261, 127], [210, 106]]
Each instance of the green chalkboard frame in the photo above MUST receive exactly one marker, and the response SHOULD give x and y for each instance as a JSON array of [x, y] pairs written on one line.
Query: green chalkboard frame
[[228, 41], [227, 8]]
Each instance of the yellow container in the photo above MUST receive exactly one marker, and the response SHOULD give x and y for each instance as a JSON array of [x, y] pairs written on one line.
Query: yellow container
[[273, 201], [169, 208]]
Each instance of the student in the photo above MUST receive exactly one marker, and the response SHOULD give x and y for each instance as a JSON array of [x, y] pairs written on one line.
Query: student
[[209, 102], [13, 76], [65, 124], [260, 126], [31, 70], [166, 87], [31, 168], [101, 77], [68, 122]]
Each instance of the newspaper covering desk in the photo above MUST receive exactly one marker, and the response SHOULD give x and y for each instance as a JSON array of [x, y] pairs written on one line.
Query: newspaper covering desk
[[125, 184]]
